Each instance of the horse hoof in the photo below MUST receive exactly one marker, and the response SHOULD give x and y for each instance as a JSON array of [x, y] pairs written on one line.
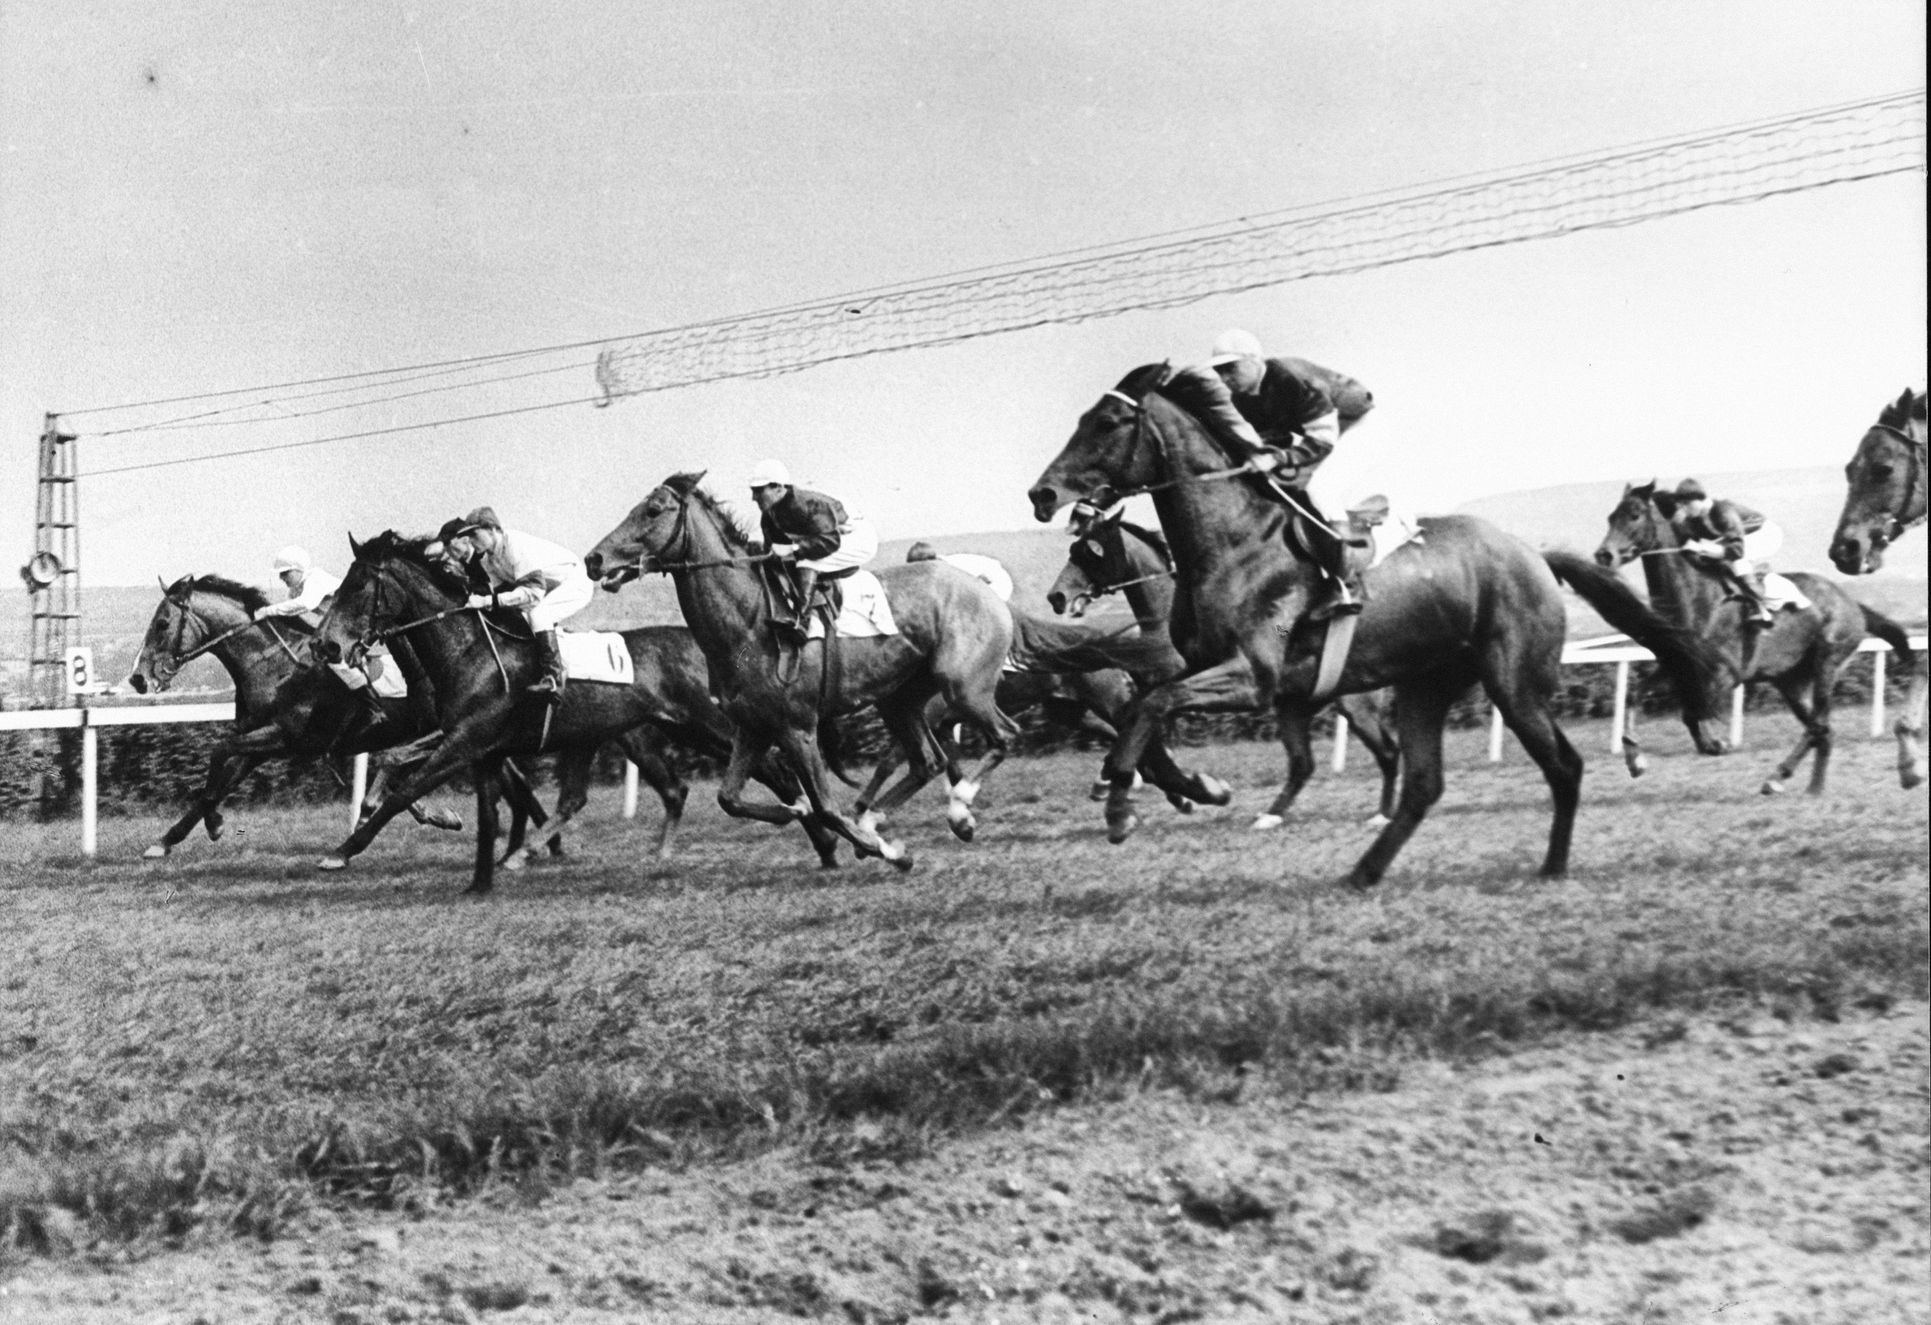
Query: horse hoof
[[1376, 821], [1771, 787], [444, 820], [868, 823], [962, 827], [965, 792], [159, 852], [1263, 822], [1180, 803], [332, 863], [1119, 828], [1215, 792], [1638, 767], [517, 859], [896, 853], [1359, 882], [214, 831], [1908, 778], [1100, 790]]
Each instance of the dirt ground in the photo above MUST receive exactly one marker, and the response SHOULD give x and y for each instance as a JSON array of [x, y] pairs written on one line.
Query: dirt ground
[[1740, 1168]]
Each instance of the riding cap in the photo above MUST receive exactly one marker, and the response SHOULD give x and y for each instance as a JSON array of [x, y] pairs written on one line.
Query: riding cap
[[483, 517], [767, 472], [292, 558], [1690, 490], [921, 552], [1232, 345]]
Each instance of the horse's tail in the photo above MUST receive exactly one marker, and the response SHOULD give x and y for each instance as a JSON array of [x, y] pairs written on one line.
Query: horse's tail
[[1876, 623], [831, 744], [1060, 647], [1692, 666]]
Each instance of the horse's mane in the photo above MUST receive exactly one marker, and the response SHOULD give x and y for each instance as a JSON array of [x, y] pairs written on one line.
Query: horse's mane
[[1148, 377], [392, 546], [1153, 538], [246, 595], [740, 526], [1903, 410]]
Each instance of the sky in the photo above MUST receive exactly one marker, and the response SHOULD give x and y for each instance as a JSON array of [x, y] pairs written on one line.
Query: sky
[[198, 197]]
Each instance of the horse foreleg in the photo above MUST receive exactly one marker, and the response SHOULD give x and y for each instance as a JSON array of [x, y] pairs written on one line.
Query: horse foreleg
[[778, 777], [1295, 721], [1226, 685], [640, 746], [484, 773], [1369, 726], [1633, 757], [1815, 736], [800, 749], [1909, 727], [1421, 711], [449, 758]]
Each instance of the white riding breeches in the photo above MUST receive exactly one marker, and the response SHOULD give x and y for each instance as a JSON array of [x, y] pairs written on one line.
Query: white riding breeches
[[1758, 548], [566, 600], [857, 544]]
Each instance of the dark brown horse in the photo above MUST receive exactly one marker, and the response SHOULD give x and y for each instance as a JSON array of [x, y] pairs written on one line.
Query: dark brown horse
[[480, 664], [1465, 605], [286, 706], [1113, 555], [1800, 653], [954, 635], [1887, 495]]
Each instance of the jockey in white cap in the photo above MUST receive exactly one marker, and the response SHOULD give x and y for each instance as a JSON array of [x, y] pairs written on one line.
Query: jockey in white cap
[[815, 532], [1282, 416], [546, 580], [1729, 541], [308, 587]]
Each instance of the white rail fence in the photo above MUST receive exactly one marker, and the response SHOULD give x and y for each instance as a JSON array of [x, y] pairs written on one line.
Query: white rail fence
[[90, 721]]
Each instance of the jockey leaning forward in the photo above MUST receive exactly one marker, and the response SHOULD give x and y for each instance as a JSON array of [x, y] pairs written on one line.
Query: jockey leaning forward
[[1727, 540], [309, 588], [812, 533], [547, 581], [1283, 417]]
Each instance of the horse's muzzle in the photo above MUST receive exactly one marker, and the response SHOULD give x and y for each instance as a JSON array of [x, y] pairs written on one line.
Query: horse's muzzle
[[137, 683], [1605, 558], [1046, 503]]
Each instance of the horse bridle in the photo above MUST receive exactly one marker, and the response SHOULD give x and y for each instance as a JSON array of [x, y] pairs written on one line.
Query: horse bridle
[[182, 614], [681, 534], [1117, 554], [1141, 427], [1914, 482]]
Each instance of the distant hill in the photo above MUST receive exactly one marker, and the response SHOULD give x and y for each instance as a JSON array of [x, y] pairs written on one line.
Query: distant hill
[[1805, 501]]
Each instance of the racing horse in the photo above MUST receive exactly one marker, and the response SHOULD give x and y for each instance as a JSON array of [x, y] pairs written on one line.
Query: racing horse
[[1113, 555], [1466, 604], [1887, 495], [954, 635], [1800, 653], [286, 706], [480, 662]]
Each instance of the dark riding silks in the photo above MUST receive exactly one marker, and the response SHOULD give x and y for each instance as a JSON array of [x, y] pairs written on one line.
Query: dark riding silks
[[1726, 522], [809, 520], [1293, 393]]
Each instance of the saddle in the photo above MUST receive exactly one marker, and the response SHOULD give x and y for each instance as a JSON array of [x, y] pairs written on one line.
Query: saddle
[[826, 602], [1356, 530]]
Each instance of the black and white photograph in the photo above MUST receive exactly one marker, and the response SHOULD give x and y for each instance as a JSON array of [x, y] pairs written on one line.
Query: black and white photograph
[[1095, 664]]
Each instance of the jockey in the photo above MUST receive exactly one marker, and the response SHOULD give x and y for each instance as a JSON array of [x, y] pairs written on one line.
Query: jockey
[[545, 580], [989, 569], [1728, 540], [1283, 417], [811, 531], [308, 588]]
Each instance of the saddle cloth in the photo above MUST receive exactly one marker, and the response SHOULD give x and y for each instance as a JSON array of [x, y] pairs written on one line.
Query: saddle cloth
[[596, 655], [863, 609], [377, 672], [1385, 526], [1779, 593]]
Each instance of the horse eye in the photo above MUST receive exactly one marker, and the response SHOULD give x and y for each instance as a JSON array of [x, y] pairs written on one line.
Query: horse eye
[[1882, 473], [1093, 547]]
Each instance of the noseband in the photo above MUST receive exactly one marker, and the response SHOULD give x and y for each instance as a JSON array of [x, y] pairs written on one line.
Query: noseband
[[1914, 484]]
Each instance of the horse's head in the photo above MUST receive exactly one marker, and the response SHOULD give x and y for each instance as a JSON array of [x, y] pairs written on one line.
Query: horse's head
[[654, 536], [393, 581], [1636, 525], [1886, 479], [195, 612], [1106, 455]]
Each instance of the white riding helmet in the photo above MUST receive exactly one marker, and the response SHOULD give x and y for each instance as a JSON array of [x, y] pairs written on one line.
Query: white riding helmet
[[292, 558], [767, 472], [1232, 345]]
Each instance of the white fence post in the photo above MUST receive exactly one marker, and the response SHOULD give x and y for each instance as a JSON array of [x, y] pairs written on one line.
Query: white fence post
[[1339, 759], [89, 786], [1877, 691], [1494, 735], [1736, 717], [630, 790], [1619, 710], [358, 788]]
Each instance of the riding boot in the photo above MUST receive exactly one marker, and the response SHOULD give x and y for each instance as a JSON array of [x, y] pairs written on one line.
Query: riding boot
[[1756, 603], [550, 657], [806, 582], [1338, 595]]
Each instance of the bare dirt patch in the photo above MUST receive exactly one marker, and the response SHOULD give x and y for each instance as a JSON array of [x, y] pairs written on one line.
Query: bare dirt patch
[[1737, 1168]]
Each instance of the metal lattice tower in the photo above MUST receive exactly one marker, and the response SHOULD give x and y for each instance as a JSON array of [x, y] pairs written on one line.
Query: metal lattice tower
[[52, 575]]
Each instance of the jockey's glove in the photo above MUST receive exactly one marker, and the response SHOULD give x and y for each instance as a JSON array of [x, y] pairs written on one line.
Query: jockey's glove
[[1704, 547], [481, 601]]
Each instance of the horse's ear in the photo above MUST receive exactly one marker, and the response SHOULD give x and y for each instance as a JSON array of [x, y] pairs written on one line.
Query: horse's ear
[[1639, 489], [355, 548], [163, 583]]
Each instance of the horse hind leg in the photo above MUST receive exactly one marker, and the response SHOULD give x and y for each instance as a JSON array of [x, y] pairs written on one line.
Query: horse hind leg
[[1909, 727], [1814, 736], [1294, 719], [642, 748], [1421, 711], [1533, 723]]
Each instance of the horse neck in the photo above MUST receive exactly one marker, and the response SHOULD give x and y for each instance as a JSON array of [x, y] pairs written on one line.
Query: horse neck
[[255, 660], [1152, 597], [1213, 523], [443, 649], [1676, 586], [724, 604]]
